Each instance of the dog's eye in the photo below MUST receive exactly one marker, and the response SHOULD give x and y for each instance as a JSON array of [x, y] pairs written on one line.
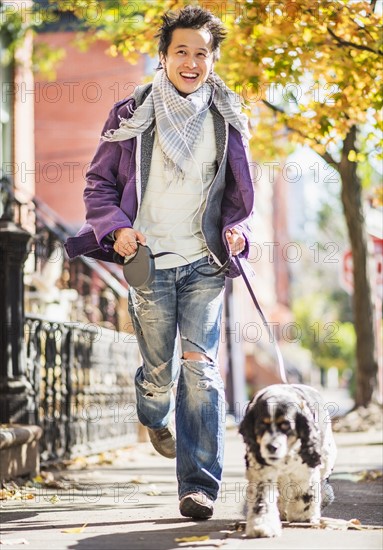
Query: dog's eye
[[284, 426], [264, 424]]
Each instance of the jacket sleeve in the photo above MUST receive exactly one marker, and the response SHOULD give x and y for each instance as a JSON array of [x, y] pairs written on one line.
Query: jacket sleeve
[[102, 194], [247, 226]]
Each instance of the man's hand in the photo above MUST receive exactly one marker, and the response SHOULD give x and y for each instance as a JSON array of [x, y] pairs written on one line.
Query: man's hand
[[126, 241], [236, 241]]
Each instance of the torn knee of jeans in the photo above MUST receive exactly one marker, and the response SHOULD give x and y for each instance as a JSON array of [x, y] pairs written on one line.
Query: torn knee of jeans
[[152, 390], [193, 351], [205, 374], [196, 356], [204, 384], [207, 383]]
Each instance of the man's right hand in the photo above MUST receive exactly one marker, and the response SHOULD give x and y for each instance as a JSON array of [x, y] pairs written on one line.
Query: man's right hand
[[126, 241]]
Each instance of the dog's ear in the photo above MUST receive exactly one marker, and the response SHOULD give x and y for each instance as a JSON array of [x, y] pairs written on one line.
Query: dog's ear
[[309, 434], [249, 429], [247, 424]]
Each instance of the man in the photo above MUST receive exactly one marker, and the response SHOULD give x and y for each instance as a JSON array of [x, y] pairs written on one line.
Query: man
[[171, 172]]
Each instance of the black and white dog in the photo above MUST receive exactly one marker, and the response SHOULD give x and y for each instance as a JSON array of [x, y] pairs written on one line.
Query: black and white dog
[[290, 453]]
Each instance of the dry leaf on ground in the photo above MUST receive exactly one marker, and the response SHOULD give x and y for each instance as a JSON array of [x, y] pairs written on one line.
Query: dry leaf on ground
[[75, 530], [192, 539], [340, 524], [153, 491]]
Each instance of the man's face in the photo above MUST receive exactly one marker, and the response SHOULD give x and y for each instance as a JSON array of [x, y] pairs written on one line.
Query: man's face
[[189, 59]]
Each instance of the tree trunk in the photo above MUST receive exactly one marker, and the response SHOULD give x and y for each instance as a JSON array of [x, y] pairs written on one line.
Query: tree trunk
[[366, 365]]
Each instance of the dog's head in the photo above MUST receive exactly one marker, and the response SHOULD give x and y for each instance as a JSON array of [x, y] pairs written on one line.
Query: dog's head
[[275, 420]]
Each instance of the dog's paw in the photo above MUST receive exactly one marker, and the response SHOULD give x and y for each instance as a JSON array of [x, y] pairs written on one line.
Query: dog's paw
[[264, 530], [328, 495]]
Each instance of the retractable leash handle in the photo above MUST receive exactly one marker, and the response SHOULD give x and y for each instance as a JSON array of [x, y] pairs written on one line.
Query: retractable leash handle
[[139, 268], [282, 370]]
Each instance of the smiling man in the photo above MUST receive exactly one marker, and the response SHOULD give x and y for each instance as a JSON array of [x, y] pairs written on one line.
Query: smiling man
[[171, 172]]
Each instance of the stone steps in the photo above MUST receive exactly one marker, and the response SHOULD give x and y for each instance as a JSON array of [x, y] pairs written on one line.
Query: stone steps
[[19, 450]]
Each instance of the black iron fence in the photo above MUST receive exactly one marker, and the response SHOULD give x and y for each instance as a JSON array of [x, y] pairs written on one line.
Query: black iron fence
[[83, 378]]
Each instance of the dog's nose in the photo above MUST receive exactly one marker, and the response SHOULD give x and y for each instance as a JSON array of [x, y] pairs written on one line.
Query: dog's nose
[[271, 447]]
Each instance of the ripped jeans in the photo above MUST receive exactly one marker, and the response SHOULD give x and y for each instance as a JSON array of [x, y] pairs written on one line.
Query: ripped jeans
[[182, 303]]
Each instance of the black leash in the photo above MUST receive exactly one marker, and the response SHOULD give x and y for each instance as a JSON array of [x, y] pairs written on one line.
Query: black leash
[[282, 370], [139, 269], [222, 268]]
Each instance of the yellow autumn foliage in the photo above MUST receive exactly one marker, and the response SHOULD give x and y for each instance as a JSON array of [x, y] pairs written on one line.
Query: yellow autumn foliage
[[325, 58]]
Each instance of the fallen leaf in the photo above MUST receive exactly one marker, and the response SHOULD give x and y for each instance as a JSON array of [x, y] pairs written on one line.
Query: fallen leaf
[[75, 529], [28, 496], [152, 491], [38, 479], [192, 539], [340, 524], [355, 524], [106, 458], [54, 499], [140, 480], [11, 486], [47, 477], [370, 475], [79, 463]]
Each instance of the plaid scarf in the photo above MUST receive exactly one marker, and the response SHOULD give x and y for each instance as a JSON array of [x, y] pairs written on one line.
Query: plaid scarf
[[179, 119]]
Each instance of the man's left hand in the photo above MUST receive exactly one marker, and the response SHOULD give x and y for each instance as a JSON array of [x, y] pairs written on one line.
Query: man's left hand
[[236, 241]]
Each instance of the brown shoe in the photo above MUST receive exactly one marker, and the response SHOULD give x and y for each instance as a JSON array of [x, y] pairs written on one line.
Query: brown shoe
[[197, 506], [164, 441]]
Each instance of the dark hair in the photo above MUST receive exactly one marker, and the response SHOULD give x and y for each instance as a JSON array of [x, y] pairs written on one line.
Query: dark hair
[[190, 17]]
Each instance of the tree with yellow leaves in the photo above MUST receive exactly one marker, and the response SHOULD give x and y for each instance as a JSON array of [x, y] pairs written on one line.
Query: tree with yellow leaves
[[327, 58]]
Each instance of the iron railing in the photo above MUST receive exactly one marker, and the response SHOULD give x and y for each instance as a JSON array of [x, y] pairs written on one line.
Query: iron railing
[[83, 378]]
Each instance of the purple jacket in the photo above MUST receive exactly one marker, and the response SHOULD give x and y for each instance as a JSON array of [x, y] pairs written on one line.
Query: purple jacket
[[113, 189]]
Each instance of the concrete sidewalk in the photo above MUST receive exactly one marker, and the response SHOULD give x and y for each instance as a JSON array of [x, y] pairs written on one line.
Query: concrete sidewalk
[[131, 503]]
